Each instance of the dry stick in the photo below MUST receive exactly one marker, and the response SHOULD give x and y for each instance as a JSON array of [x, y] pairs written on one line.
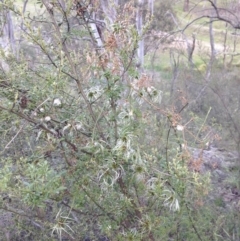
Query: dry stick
[[9, 143], [203, 124], [14, 211], [175, 71], [166, 152], [40, 106]]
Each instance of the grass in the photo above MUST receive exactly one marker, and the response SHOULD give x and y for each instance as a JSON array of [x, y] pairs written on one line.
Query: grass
[[160, 63]]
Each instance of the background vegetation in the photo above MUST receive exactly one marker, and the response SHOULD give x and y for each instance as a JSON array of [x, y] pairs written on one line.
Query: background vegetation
[[95, 141]]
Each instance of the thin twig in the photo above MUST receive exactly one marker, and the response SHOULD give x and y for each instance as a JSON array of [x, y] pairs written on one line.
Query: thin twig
[[9, 143], [203, 124]]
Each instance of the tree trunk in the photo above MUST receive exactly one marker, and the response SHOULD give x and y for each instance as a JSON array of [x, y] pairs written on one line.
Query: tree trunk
[[109, 11], [151, 6], [212, 45], [186, 6], [95, 32], [139, 23], [191, 48], [7, 38]]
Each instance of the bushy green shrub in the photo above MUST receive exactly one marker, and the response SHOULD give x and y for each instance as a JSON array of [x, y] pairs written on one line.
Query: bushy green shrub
[[87, 148]]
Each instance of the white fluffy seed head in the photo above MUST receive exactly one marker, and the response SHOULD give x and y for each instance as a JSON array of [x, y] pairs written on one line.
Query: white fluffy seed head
[[180, 127], [47, 118], [78, 126], [57, 102]]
